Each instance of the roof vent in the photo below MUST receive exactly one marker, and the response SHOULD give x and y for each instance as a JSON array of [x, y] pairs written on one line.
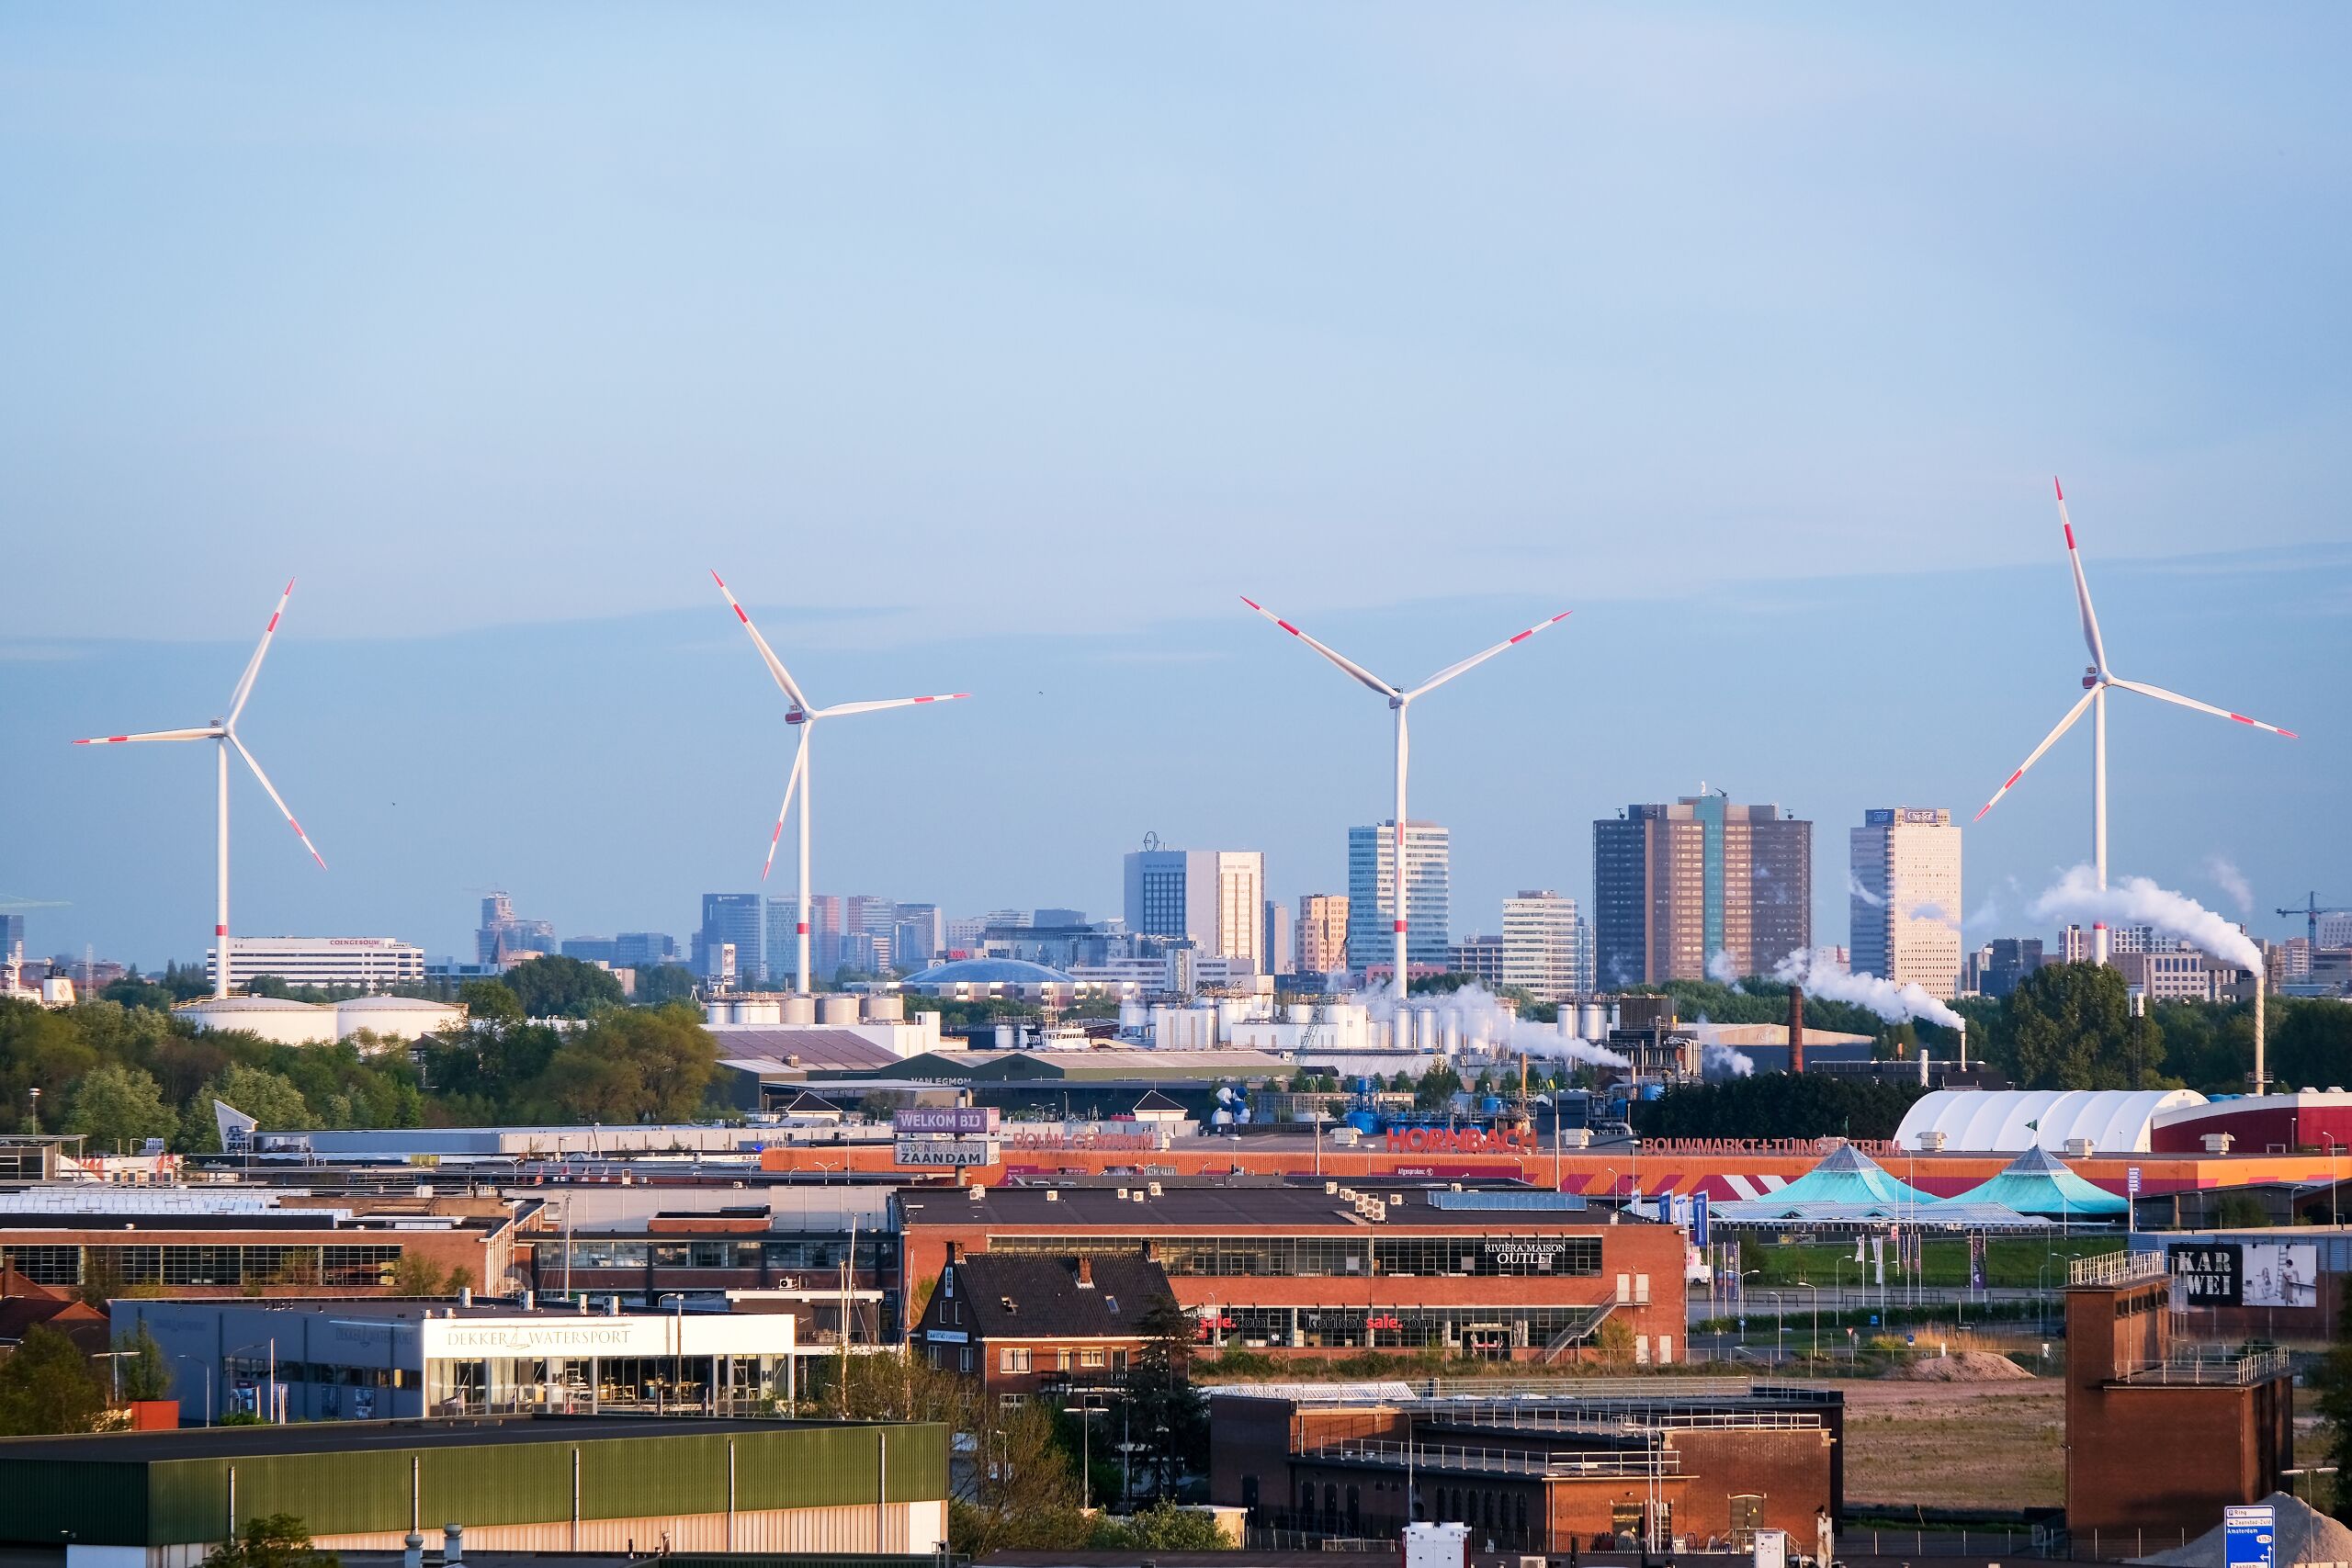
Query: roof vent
[[1122, 1194], [1006, 1302], [1053, 1195], [1153, 1190], [1140, 1195], [1331, 1188], [979, 1193]]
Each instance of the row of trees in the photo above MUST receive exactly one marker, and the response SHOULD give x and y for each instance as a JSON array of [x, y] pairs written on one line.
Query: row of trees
[[1777, 1105]]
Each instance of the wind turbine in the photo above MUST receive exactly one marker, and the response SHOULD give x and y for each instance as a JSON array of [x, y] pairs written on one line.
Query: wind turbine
[[222, 732], [806, 713], [1400, 699], [2097, 679]]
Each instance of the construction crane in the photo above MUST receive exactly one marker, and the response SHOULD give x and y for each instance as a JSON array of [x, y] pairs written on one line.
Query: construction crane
[[12, 957], [2310, 911]]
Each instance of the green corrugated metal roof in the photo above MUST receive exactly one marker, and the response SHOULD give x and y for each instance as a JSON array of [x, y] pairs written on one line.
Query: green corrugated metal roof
[[156, 1489]]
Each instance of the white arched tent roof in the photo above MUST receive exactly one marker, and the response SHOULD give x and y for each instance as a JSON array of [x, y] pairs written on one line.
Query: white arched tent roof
[[1988, 1120]]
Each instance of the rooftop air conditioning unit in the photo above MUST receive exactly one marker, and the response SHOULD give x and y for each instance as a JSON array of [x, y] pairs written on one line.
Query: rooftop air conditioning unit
[[2218, 1142], [1053, 1195], [2081, 1148], [1933, 1143], [1153, 1188]]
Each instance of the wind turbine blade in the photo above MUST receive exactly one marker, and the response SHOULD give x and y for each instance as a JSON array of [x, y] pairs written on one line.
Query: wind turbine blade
[[1342, 660], [1451, 670], [207, 733], [776, 666], [791, 784], [2082, 586], [253, 666], [2162, 696], [279, 801], [838, 709], [2048, 740]]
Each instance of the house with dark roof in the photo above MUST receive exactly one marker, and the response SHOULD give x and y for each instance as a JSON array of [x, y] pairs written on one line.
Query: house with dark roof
[[1024, 1323]]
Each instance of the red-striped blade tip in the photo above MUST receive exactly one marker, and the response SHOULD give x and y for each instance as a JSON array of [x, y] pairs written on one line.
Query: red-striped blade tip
[[2056, 486], [1251, 602], [718, 580], [289, 588], [1980, 812], [2290, 735]]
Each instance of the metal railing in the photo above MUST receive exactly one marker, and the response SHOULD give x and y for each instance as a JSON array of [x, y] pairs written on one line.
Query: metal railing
[[2115, 1268], [2213, 1365], [1571, 1388], [1620, 1415], [1500, 1461]]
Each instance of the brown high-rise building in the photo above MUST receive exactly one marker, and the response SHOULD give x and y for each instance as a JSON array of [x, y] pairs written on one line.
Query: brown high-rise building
[[1675, 885], [1322, 932]]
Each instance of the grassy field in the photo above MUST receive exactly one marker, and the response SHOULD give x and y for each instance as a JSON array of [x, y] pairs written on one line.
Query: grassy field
[[1993, 1446]]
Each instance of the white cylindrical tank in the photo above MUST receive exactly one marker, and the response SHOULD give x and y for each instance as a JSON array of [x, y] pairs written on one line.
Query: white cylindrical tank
[[837, 1009], [762, 1011], [1298, 1012], [886, 1009], [1452, 1034], [799, 1010], [1005, 1037], [1134, 1017], [1161, 1037], [1229, 1011], [1592, 1020]]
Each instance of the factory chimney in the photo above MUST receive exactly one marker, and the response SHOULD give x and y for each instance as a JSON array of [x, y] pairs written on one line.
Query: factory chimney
[[1796, 1029]]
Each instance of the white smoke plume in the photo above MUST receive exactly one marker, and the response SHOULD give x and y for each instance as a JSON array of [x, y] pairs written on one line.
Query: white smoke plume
[[1723, 1061], [1818, 972], [1721, 969], [2137, 901], [1854, 886], [1481, 1016], [2232, 882]]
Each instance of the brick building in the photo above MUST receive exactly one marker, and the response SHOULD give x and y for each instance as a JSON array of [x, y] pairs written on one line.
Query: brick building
[[1024, 1323], [1329, 1270], [231, 1241], [2161, 1434], [1599, 1466]]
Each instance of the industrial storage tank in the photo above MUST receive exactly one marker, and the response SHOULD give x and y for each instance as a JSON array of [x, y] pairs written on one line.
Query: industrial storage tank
[[800, 1009], [837, 1009], [886, 1009]]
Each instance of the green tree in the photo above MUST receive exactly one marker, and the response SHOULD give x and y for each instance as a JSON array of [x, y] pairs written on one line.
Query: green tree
[[46, 1387], [141, 1369], [268, 1098], [633, 1065], [491, 1002], [1437, 1087], [562, 988], [1163, 1526], [116, 1107], [275, 1541], [662, 983], [1161, 1396], [417, 1275], [1776, 1105], [2070, 1026]]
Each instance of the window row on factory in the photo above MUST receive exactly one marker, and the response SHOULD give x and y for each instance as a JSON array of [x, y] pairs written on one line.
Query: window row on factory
[[601, 1252], [1310, 1257], [1482, 1330], [351, 1267]]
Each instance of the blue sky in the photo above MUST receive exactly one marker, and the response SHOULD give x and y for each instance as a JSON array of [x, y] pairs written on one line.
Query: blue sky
[[1000, 348]]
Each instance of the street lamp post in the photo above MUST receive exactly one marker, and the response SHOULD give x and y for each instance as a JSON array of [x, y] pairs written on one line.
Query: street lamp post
[[1817, 1316], [1085, 1410]]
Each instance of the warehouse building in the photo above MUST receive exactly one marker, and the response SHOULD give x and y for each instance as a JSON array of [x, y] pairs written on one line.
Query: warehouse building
[[313, 1359], [1505, 1274], [605, 1485], [1617, 1466]]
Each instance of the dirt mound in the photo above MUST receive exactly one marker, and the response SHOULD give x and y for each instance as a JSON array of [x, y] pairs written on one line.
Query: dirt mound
[[1961, 1366], [2303, 1536]]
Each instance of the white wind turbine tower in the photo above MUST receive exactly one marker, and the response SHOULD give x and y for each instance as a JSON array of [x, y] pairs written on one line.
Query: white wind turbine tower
[[2097, 679], [1399, 700], [222, 733], [806, 713]]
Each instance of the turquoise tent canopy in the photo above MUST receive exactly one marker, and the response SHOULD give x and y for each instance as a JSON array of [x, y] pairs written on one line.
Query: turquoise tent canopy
[[2037, 1182], [1849, 1175]]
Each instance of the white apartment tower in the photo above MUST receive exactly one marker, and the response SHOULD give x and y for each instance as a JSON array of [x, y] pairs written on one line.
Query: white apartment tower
[[1371, 894], [1905, 898], [1547, 948], [1212, 899]]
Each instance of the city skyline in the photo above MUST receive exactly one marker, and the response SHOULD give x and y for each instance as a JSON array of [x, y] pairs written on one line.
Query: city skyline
[[118, 846]]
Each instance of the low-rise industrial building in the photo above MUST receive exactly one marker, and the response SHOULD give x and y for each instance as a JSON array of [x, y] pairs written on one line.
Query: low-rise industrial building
[[1024, 1324], [203, 1240], [328, 1358], [1328, 1269], [1608, 1467], [606, 1484]]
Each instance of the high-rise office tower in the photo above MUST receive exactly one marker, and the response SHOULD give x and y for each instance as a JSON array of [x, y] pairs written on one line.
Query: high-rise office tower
[[1372, 897], [1675, 885], [1212, 898], [644, 950], [12, 939], [2008, 959], [1322, 934], [1276, 942], [870, 913], [1904, 899], [919, 937], [732, 918], [505, 936], [824, 936], [1546, 947]]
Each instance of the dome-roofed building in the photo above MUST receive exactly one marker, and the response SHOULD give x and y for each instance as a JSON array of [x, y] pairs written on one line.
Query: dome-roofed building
[[275, 1018], [972, 979], [2002, 1121]]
